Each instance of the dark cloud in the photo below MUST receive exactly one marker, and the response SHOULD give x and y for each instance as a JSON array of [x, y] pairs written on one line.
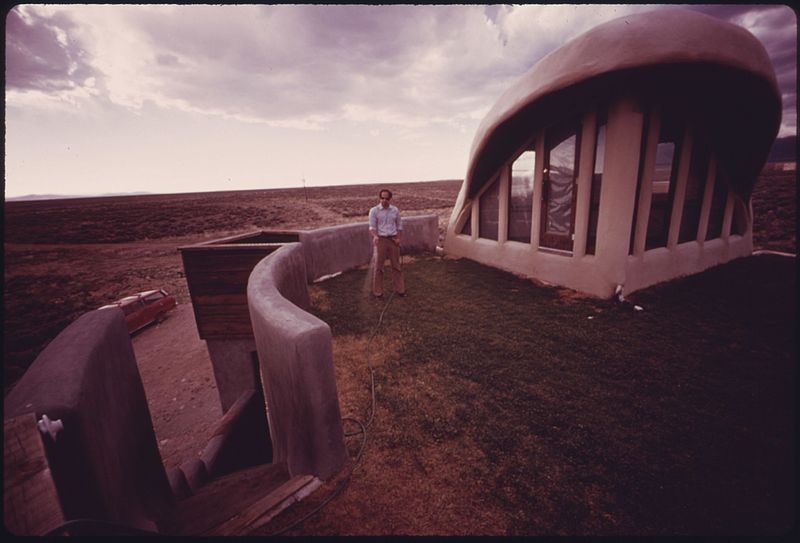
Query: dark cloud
[[289, 61], [776, 27], [492, 12], [283, 63], [312, 60], [725, 12], [385, 36], [35, 57], [167, 59]]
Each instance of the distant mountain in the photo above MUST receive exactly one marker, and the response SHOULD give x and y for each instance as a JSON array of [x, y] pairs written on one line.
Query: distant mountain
[[784, 150], [67, 196], [38, 197]]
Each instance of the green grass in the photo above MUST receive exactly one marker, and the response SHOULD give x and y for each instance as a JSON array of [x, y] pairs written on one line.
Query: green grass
[[678, 419]]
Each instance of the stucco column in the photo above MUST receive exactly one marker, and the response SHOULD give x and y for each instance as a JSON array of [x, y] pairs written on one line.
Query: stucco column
[[618, 192], [502, 211]]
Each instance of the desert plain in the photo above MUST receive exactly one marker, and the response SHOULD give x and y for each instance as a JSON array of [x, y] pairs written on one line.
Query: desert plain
[[65, 257]]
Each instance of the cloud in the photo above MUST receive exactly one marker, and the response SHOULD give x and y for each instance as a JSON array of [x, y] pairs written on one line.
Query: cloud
[[168, 59], [777, 30], [306, 66], [776, 27], [40, 55], [278, 63]]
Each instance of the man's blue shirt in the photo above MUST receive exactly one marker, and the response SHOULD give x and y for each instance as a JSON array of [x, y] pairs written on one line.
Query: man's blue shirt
[[385, 221]]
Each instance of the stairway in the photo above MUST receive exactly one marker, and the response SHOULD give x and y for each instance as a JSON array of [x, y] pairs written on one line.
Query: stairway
[[238, 503]]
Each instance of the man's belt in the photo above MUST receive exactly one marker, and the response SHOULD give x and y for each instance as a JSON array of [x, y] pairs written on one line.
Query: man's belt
[[388, 237]]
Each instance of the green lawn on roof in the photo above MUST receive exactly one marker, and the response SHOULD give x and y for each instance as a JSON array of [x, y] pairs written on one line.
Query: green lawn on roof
[[590, 417]]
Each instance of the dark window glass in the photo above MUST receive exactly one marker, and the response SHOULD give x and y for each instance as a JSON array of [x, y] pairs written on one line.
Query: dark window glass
[[520, 200], [597, 182], [739, 224], [489, 211], [695, 185], [717, 211], [667, 153], [130, 308], [642, 156], [150, 298], [467, 228]]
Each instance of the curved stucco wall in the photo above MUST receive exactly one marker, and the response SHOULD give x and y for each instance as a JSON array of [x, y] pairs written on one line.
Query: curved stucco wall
[[714, 77], [338, 248], [607, 59], [105, 462], [296, 362], [295, 348]]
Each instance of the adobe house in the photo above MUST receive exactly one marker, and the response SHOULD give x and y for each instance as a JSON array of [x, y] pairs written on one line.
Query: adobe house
[[625, 157]]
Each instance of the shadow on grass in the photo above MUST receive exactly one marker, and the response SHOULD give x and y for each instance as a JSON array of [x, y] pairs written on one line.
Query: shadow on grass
[[594, 418]]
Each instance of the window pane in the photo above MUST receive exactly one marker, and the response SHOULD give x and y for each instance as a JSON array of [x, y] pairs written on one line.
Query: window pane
[[467, 228], [561, 177], [520, 201], [695, 184], [717, 211], [663, 181], [488, 215], [739, 224], [665, 154], [597, 182], [149, 299], [643, 146], [130, 308]]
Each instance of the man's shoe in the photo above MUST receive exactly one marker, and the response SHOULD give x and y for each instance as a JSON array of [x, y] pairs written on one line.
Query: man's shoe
[[401, 294], [378, 296]]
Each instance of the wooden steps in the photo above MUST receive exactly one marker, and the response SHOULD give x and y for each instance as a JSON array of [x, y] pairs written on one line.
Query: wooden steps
[[30, 500], [238, 503], [262, 511]]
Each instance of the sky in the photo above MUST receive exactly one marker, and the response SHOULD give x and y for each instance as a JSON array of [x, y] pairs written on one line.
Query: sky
[[107, 99]]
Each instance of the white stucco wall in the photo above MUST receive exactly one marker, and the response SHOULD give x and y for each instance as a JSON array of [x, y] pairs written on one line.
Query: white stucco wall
[[611, 68]]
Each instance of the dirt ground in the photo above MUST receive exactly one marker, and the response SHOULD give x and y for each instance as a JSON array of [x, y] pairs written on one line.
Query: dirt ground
[[179, 384], [66, 257], [63, 258]]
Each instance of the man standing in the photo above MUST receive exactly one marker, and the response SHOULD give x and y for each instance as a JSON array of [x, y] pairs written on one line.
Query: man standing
[[386, 228]]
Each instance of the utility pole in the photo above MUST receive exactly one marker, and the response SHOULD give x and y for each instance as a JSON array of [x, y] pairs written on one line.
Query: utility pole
[[304, 188]]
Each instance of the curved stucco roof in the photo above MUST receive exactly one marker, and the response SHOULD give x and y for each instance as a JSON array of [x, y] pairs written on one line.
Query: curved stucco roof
[[624, 46]]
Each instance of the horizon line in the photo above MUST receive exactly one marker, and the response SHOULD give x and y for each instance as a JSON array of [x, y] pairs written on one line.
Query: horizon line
[[66, 196]]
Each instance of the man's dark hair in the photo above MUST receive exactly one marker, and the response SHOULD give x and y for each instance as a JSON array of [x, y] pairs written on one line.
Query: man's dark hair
[[385, 190]]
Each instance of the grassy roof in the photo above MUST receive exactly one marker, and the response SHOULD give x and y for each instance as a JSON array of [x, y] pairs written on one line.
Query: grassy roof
[[504, 407]]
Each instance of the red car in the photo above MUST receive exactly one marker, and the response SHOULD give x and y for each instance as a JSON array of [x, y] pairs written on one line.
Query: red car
[[144, 308]]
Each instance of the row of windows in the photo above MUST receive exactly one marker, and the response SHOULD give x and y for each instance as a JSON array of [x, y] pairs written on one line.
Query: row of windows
[[559, 190], [663, 184], [559, 183]]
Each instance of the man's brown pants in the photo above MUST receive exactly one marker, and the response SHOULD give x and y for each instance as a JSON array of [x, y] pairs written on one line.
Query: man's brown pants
[[387, 248]]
